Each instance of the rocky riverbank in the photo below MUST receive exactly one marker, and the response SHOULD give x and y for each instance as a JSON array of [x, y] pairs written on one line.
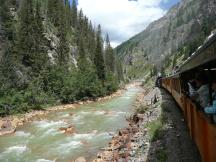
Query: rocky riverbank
[[156, 132], [128, 142], [9, 124]]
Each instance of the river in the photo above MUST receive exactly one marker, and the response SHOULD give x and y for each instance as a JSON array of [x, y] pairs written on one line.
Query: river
[[95, 124]]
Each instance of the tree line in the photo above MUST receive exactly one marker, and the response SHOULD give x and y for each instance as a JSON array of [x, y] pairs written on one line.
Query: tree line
[[51, 54]]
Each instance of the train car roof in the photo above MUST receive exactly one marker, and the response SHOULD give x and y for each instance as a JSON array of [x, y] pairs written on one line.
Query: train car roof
[[200, 57]]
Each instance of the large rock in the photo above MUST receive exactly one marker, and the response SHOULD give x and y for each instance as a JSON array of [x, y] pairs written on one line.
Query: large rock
[[68, 130], [7, 128], [6, 124], [10, 130]]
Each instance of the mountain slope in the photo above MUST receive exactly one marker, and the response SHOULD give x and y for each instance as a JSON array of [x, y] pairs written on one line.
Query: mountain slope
[[180, 32]]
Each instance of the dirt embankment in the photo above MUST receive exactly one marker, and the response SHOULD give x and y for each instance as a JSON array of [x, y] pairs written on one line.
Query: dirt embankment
[[156, 132], [9, 124]]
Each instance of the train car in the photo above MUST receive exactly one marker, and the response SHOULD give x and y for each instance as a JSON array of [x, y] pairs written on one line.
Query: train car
[[202, 127]]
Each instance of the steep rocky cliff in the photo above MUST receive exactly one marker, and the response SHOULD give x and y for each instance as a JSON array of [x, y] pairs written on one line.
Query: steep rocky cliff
[[182, 29]]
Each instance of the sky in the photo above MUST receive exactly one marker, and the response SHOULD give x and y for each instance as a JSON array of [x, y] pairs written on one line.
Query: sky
[[122, 19]]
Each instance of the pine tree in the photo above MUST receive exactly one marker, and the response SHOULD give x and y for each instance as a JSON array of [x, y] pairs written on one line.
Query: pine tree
[[7, 59], [109, 56], [41, 57], [85, 26], [25, 33], [74, 14], [6, 19], [31, 44], [82, 61], [67, 12], [91, 41], [88, 83], [119, 70], [99, 59], [63, 48], [53, 11], [80, 25]]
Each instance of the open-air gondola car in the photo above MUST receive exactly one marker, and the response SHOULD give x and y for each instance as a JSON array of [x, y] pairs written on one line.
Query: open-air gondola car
[[202, 127]]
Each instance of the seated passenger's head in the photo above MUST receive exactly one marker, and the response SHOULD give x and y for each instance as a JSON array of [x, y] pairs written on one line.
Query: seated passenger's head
[[201, 79]]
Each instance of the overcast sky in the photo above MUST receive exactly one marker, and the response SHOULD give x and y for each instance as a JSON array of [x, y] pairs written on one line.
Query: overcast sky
[[122, 19]]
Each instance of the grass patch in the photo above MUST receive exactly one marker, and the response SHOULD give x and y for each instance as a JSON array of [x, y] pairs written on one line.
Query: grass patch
[[155, 130], [142, 109], [161, 155], [164, 118]]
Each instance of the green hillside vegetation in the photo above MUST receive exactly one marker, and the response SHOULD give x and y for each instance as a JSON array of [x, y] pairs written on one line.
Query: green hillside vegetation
[[51, 55]]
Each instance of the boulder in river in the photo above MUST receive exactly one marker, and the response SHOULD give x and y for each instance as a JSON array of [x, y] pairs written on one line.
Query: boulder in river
[[71, 114], [7, 128], [6, 124], [69, 130], [7, 131]]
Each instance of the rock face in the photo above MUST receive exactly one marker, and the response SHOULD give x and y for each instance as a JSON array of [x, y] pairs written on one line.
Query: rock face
[[182, 24]]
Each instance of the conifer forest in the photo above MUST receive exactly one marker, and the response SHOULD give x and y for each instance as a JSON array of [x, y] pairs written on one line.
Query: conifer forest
[[52, 54]]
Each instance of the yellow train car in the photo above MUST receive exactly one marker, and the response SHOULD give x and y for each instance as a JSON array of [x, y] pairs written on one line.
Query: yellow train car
[[202, 127]]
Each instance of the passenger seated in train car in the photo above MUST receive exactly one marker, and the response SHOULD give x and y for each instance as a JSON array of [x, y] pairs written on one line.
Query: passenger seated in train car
[[212, 109], [199, 92]]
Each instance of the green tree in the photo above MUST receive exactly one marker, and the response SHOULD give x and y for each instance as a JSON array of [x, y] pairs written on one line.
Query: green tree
[[80, 25], [206, 28], [31, 44], [91, 41], [41, 43], [119, 70], [174, 61], [82, 62], [153, 71], [7, 71], [6, 19], [25, 33], [99, 59], [68, 12], [63, 48], [53, 11], [109, 56], [74, 14]]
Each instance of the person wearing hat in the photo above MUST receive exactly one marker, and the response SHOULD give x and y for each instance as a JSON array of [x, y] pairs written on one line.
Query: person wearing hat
[[201, 93]]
